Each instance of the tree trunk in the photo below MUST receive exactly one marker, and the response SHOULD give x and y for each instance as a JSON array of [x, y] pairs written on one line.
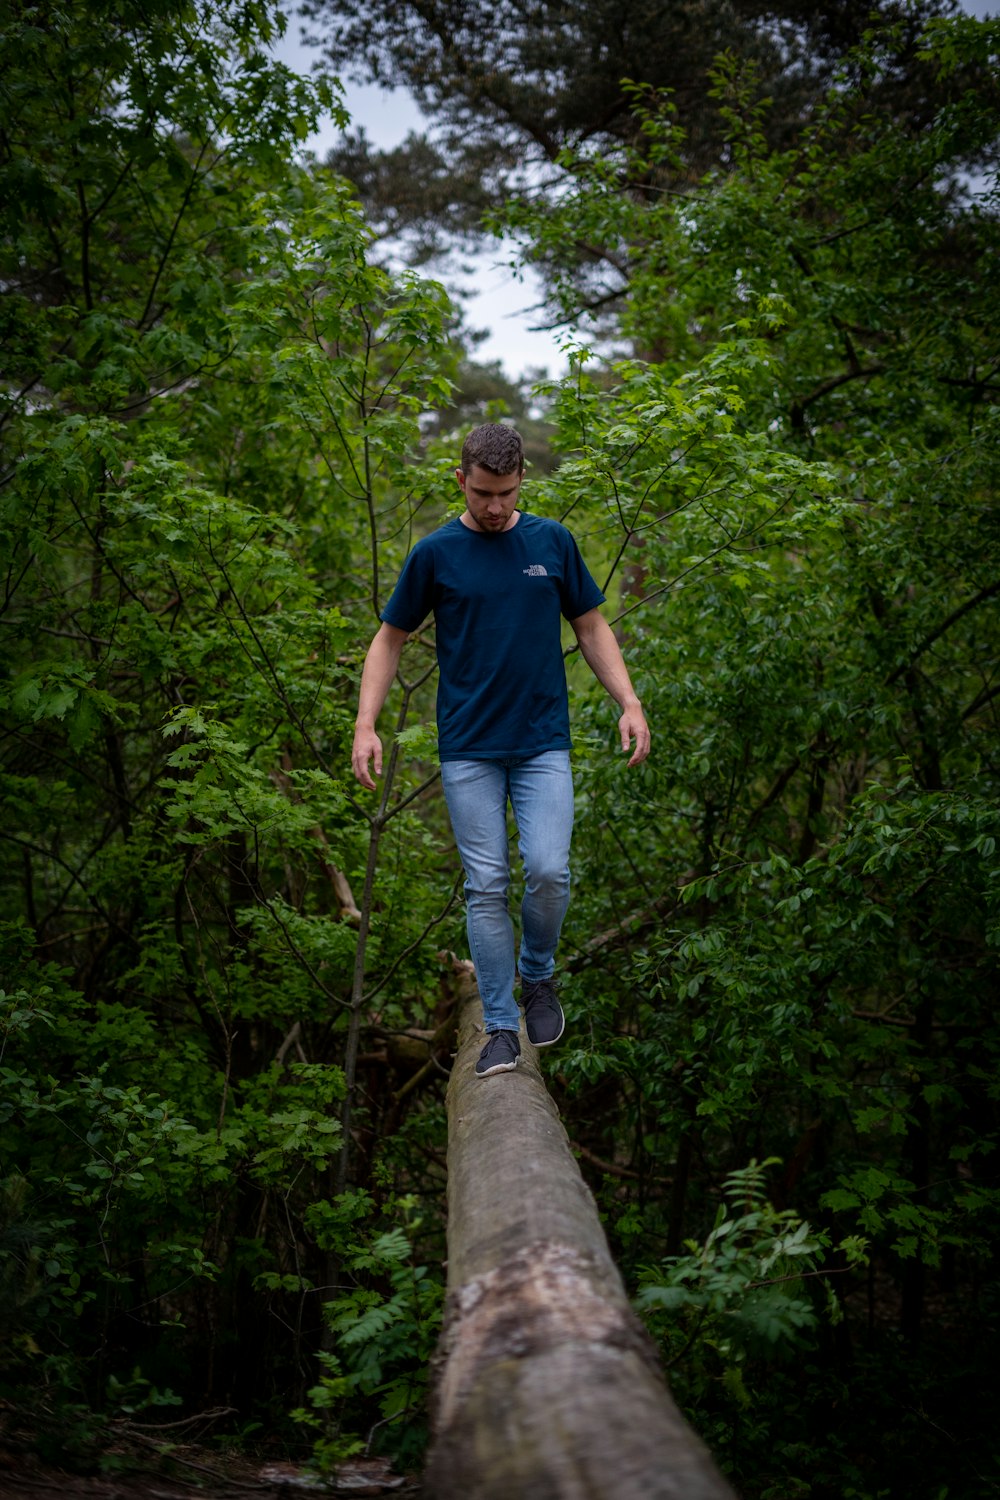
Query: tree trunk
[[547, 1387]]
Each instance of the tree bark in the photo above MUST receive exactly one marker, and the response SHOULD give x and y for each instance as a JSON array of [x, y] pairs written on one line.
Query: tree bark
[[546, 1386]]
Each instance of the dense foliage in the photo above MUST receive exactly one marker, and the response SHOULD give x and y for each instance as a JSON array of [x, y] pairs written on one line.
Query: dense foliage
[[228, 979], [210, 404], [507, 90]]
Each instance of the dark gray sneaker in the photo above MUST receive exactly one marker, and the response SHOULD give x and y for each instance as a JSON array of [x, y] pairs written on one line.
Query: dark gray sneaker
[[500, 1054], [543, 1015]]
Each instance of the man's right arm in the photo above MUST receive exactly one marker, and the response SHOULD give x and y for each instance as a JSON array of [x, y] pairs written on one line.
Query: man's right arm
[[376, 679]]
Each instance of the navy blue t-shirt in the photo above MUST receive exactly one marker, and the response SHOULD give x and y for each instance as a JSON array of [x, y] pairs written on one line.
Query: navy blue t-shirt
[[497, 602]]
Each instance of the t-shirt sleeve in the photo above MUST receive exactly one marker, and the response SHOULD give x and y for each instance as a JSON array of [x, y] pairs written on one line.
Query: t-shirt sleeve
[[412, 600], [579, 590]]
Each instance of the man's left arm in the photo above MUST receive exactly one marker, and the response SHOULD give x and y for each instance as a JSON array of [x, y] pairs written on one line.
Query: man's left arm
[[603, 656]]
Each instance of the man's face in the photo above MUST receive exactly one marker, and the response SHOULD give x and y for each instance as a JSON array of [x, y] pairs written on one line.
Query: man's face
[[490, 499]]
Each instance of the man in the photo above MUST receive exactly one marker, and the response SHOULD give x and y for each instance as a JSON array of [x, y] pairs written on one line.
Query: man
[[498, 582]]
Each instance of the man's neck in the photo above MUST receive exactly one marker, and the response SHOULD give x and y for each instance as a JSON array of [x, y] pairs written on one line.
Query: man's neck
[[469, 520]]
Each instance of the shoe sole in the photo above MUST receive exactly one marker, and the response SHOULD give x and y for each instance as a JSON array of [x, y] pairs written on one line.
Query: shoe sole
[[498, 1068]]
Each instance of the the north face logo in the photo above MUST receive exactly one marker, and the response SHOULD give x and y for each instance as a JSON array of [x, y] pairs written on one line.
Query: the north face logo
[[536, 571]]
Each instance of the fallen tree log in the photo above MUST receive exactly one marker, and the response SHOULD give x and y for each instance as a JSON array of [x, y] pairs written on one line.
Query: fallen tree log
[[546, 1386]]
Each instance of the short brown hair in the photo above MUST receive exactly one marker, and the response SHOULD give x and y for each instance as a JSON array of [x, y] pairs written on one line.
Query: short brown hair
[[493, 446]]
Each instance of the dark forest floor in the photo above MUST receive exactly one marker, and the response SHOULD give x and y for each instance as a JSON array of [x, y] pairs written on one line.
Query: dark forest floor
[[190, 1472]]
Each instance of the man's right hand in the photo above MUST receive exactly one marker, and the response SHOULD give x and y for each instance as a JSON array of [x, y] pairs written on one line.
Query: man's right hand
[[367, 747], [376, 677]]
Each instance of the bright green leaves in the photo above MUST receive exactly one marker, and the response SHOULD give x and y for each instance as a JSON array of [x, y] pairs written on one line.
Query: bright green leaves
[[57, 690], [676, 472], [784, 928], [960, 41], [132, 173], [890, 1209], [212, 427], [744, 1281], [386, 1320], [219, 792], [278, 1126]]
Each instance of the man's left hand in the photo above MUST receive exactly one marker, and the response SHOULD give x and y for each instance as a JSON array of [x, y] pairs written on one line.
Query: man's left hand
[[632, 726]]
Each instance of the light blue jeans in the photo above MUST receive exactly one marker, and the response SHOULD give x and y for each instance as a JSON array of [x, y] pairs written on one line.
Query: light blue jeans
[[540, 791]]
